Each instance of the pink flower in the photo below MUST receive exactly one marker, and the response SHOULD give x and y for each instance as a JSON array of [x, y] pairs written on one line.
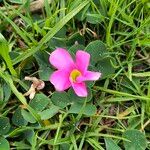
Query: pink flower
[[70, 72]]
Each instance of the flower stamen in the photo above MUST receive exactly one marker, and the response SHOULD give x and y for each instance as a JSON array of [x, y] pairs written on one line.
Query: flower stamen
[[74, 74]]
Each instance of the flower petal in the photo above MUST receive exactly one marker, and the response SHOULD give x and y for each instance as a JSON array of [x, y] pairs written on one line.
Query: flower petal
[[80, 89], [61, 59], [60, 80], [89, 76], [82, 60]]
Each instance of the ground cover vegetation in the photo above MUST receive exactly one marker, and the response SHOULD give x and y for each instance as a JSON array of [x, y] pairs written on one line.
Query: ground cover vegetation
[[116, 113]]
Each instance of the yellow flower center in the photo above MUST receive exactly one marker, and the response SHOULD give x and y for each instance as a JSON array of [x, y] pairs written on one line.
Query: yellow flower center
[[74, 74]]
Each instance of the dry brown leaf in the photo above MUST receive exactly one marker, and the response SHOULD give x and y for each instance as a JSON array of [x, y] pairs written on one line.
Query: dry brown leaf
[[36, 85]]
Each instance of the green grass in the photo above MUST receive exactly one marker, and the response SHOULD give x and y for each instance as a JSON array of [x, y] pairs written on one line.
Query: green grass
[[117, 35]]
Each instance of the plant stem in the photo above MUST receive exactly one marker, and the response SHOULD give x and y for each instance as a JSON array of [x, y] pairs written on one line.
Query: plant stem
[[144, 98]]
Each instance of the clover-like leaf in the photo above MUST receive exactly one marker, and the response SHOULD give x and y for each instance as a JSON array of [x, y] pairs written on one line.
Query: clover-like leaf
[[73, 49], [137, 140], [50, 112], [28, 116], [94, 18], [76, 99], [111, 145], [88, 110], [4, 144], [18, 119], [105, 67], [44, 67], [60, 99], [39, 102], [4, 125], [97, 50], [76, 38]]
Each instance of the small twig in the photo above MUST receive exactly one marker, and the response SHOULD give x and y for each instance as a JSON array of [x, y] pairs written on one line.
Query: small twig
[[147, 123], [147, 58]]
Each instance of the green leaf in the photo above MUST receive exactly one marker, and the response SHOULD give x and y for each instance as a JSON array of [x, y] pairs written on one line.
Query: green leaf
[[28, 116], [60, 99], [76, 38], [111, 145], [39, 102], [105, 67], [44, 66], [4, 144], [61, 33], [88, 110], [29, 135], [65, 146], [49, 113], [56, 42], [76, 99], [45, 72], [73, 49], [59, 40], [97, 50], [18, 119], [4, 52], [137, 140], [1, 95], [7, 91], [94, 18], [4, 125], [14, 54]]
